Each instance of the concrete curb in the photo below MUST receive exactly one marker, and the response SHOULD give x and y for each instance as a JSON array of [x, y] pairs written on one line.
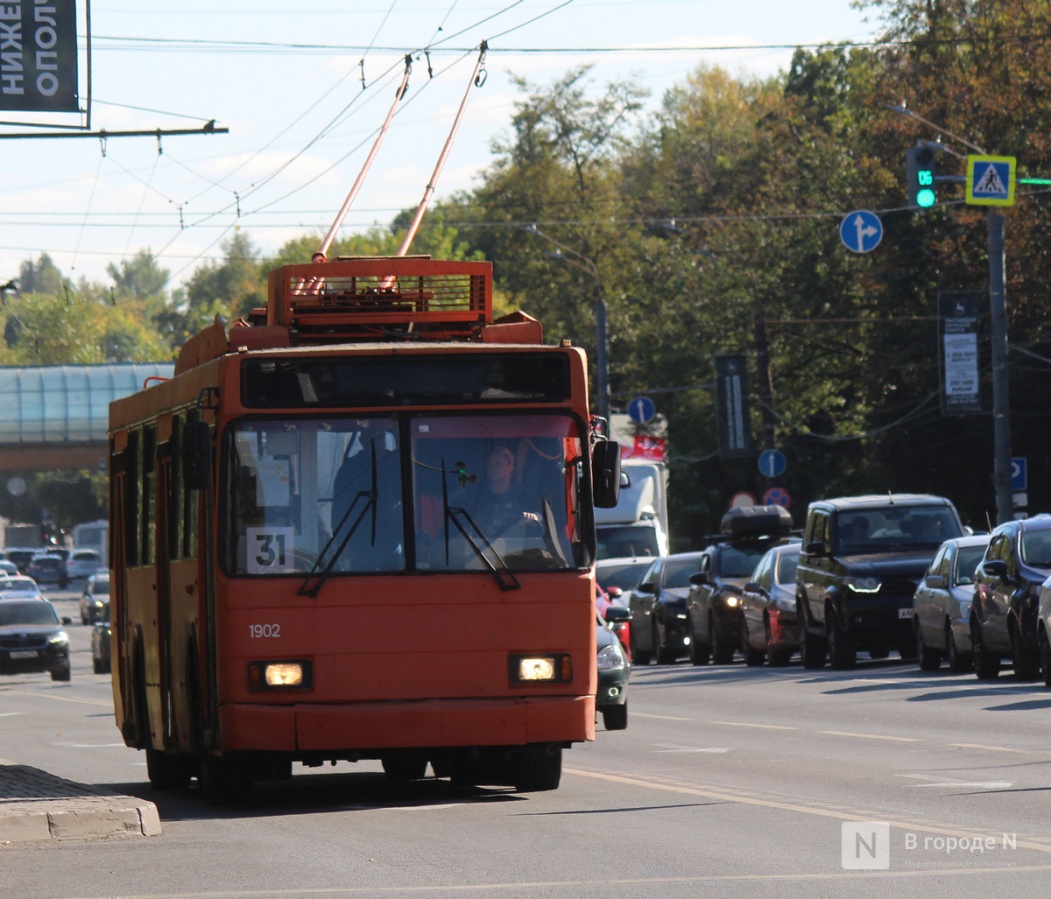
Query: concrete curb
[[35, 805]]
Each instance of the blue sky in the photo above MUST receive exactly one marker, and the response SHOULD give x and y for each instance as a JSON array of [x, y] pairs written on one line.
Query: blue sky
[[286, 80]]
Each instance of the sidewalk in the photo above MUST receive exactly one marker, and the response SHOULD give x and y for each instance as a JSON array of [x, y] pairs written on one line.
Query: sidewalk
[[35, 805]]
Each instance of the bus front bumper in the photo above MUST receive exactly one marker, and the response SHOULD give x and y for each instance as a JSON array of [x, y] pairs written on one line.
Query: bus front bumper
[[389, 725]]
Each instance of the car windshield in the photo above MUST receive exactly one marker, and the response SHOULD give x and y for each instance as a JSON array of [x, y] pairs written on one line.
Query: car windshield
[[100, 587], [679, 571], [623, 576], [15, 613], [740, 561], [873, 530], [1036, 549], [8, 584]]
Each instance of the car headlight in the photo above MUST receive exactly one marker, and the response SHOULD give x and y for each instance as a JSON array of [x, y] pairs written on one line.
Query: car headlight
[[863, 584], [58, 639], [610, 657]]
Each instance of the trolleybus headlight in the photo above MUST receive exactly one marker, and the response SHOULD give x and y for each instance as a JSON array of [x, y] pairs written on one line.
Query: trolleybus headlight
[[556, 668], [280, 675]]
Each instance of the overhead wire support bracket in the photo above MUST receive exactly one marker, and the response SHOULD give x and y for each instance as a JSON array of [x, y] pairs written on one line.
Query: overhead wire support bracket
[[208, 128]]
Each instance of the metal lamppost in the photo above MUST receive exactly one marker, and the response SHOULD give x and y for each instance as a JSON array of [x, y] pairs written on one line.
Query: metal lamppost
[[579, 260]]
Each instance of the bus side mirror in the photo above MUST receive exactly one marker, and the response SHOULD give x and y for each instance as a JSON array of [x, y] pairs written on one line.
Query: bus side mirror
[[197, 455], [605, 469]]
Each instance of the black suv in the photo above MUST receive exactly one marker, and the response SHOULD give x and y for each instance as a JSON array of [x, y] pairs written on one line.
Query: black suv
[[1006, 594], [713, 606], [861, 561]]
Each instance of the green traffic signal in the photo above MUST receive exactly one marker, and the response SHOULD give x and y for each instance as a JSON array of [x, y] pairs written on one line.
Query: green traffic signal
[[920, 177]]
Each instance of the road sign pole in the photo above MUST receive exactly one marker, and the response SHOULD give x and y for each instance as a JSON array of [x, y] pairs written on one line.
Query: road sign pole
[[1001, 401]]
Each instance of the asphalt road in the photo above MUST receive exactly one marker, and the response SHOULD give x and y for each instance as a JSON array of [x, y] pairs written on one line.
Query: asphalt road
[[729, 781]]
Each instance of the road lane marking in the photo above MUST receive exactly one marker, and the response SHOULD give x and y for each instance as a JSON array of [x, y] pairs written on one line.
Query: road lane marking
[[558, 886], [672, 747], [658, 717], [942, 781], [730, 794], [999, 748], [105, 705], [761, 726], [847, 733]]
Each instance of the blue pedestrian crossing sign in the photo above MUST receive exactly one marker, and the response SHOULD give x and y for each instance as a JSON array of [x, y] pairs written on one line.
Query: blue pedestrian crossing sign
[[991, 180], [861, 231]]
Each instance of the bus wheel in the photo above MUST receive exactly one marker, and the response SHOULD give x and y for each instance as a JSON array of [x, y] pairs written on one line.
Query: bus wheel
[[404, 766], [167, 771], [539, 769], [226, 780]]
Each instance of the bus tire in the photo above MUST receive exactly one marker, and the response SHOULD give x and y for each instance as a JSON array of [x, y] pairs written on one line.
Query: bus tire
[[167, 771], [538, 769], [405, 766], [226, 780]]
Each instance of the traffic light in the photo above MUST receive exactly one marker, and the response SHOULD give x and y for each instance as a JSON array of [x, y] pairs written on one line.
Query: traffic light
[[919, 168]]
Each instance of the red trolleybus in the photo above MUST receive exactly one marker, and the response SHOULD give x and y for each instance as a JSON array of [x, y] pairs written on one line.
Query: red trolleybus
[[313, 559]]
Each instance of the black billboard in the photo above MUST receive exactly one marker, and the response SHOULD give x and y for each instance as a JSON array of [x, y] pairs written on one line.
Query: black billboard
[[731, 405], [38, 56]]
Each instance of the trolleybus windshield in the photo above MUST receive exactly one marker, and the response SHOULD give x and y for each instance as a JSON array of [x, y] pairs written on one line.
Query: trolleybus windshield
[[320, 497]]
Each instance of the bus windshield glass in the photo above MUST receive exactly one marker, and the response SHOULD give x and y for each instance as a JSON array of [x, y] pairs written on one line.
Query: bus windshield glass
[[323, 497]]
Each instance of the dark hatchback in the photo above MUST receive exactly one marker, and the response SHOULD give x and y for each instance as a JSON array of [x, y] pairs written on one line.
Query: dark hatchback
[[1004, 610], [658, 609], [32, 639], [614, 670]]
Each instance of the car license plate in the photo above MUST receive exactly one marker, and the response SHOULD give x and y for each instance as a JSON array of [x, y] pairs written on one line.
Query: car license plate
[[906, 613], [24, 654]]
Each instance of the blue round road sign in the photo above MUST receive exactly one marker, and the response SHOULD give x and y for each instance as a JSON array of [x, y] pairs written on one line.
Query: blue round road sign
[[641, 410], [772, 463], [861, 231]]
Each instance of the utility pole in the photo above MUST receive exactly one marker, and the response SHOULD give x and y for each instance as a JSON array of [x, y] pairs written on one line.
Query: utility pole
[[998, 337]]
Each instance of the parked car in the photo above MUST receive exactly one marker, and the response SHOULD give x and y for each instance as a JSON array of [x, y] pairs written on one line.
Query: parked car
[[48, 568], [942, 604], [20, 587], [861, 561], [83, 563], [21, 556], [618, 576], [32, 639], [658, 609], [713, 605], [95, 597], [614, 670], [100, 641], [769, 626], [1005, 606]]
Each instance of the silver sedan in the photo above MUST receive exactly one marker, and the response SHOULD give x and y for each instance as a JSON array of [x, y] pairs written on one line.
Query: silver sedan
[[942, 604]]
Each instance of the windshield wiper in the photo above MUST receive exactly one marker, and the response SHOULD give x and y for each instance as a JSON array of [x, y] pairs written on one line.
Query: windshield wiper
[[457, 515], [369, 497]]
